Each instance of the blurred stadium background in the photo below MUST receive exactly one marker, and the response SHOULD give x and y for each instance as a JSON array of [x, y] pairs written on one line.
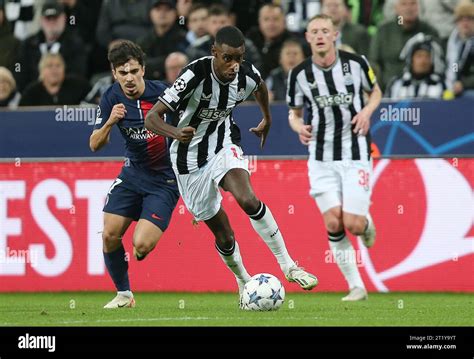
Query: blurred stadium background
[[52, 188]]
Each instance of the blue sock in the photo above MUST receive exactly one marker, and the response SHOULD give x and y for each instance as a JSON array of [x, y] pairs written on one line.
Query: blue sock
[[117, 267]]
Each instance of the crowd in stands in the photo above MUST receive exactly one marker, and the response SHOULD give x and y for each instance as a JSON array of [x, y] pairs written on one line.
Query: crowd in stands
[[54, 52]]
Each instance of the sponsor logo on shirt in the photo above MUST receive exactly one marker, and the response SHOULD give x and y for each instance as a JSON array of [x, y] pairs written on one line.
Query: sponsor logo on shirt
[[334, 100], [213, 113], [138, 133]]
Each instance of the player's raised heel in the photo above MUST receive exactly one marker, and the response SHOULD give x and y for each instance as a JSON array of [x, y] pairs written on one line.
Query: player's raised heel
[[138, 256], [306, 280], [368, 238], [355, 295], [120, 301]]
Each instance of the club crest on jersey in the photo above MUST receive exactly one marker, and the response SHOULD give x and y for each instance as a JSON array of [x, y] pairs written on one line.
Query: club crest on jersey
[[334, 100], [348, 80], [206, 97], [241, 94], [179, 85], [313, 85], [213, 113], [98, 119]]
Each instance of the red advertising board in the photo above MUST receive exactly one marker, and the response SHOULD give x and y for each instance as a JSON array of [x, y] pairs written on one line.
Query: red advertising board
[[51, 219]]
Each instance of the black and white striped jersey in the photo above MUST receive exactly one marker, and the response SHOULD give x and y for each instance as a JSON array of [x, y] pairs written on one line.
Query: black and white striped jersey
[[332, 97], [206, 103], [407, 86]]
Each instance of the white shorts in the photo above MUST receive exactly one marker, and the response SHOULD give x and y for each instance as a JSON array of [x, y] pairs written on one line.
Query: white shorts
[[200, 189], [345, 183]]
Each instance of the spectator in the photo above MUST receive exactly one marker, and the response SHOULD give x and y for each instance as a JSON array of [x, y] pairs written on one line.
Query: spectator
[[354, 35], [123, 19], [368, 13], [291, 55], [460, 52], [174, 63], [420, 79], [8, 43], [53, 37], [197, 25], [83, 17], [24, 15], [298, 12], [53, 87], [9, 96], [269, 36], [392, 36], [165, 37], [245, 12], [439, 14], [219, 17]]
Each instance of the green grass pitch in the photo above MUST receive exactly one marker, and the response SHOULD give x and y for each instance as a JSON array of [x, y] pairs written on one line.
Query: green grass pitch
[[220, 309]]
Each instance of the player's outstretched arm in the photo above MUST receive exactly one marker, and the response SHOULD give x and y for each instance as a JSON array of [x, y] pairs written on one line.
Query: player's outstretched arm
[[101, 137], [261, 96], [155, 123], [295, 119], [362, 119]]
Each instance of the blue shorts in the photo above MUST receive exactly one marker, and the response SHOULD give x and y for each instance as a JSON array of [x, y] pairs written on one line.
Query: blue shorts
[[136, 194]]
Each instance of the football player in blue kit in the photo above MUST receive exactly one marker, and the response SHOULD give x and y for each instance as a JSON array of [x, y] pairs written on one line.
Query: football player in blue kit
[[146, 189]]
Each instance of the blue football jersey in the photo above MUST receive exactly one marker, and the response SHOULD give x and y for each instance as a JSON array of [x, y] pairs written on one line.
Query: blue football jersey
[[144, 149]]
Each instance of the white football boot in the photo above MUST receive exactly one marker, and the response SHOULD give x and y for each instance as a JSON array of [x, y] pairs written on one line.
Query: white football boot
[[306, 280], [241, 285], [368, 238], [356, 294], [121, 301]]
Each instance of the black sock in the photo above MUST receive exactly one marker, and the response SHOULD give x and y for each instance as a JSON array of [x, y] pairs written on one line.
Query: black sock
[[336, 237], [117, 267]]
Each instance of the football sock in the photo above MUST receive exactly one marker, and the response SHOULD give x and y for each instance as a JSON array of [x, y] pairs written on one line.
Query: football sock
[[126, 293], [366, 224], [265, 225], [233, 261], [117, 267], [344, 255]]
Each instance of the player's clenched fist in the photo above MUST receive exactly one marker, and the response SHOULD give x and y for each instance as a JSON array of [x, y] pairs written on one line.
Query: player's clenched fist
[[305, 134], [118, 112], [185, 134]]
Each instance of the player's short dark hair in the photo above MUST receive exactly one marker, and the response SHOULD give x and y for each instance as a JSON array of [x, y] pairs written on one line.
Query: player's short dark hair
[[230, 35], [124, 51]]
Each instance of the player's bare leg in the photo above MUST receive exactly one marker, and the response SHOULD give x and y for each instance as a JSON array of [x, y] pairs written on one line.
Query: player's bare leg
[[145, 238], [237, 182], [115, 259], [344, 253], [361, 226], [228, 248]]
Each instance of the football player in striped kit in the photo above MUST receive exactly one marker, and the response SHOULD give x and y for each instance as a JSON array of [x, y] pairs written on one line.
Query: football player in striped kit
[[331, 84], [206, 152]]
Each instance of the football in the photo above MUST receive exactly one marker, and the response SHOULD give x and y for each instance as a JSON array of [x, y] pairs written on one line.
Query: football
[[263, 292]]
